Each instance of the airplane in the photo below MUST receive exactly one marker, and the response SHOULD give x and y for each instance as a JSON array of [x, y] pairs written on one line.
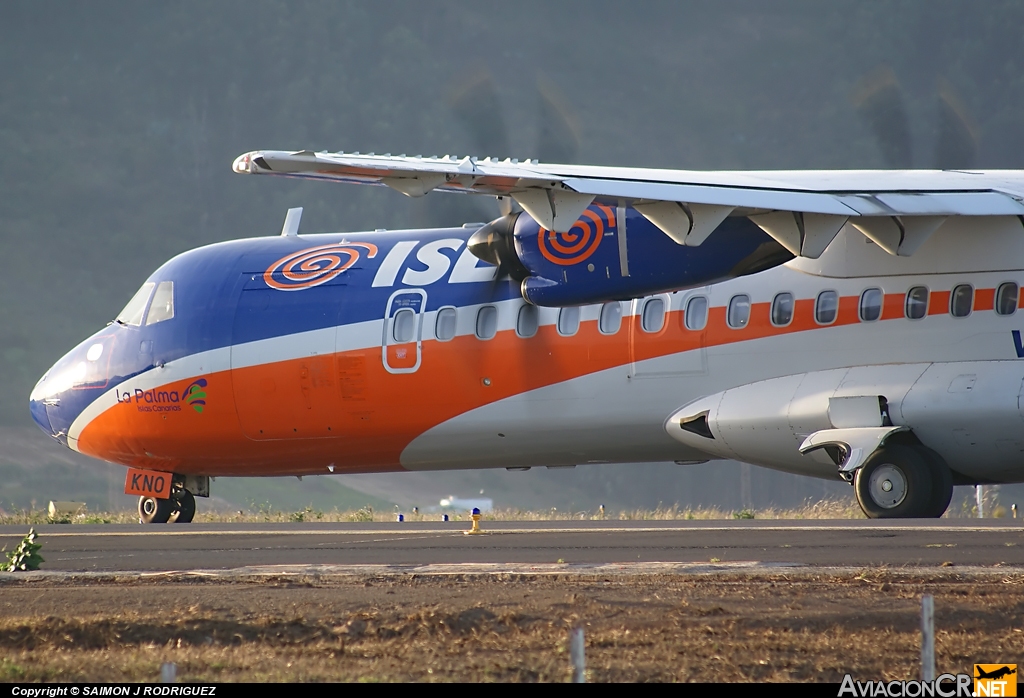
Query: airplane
[[855, 325], [995, 673]]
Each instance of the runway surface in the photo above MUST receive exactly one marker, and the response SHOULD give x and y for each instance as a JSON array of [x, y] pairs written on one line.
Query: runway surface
[[127, 548]]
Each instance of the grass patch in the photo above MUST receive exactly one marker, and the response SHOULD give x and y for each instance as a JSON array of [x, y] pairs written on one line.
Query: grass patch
[[265, 513]]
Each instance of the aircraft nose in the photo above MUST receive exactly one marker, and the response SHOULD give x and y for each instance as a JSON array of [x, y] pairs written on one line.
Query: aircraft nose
[[37, 404]]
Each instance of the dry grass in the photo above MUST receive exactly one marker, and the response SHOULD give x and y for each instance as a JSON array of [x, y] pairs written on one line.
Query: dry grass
[[771, 627], [825, 509], [845, 508]]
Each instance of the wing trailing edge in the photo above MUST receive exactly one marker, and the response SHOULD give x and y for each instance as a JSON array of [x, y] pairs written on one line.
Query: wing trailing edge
[[802, 210]]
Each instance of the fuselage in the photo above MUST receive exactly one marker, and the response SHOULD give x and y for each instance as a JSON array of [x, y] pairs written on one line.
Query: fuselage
[[399, 350]]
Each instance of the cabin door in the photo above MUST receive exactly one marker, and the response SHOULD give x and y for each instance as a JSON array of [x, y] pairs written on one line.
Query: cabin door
[[401, 345]]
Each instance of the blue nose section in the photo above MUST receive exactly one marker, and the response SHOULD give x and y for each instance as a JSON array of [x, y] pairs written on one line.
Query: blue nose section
[[37, 408]]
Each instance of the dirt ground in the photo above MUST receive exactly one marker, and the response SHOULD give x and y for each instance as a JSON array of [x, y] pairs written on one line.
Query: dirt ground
[[800, 626]]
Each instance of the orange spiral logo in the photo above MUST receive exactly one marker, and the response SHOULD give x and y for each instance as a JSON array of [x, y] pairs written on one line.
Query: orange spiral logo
[[314, 266], [573, 247]]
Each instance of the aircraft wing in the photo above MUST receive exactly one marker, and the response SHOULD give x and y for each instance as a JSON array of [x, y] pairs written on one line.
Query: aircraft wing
[[803, 210]]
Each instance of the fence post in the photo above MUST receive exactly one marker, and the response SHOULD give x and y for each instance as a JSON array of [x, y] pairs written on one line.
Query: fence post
[[927, 638], [576, 655], [168, 672]]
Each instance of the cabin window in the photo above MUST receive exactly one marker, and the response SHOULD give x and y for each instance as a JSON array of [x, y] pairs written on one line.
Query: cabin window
[[652, 319], [826, 307], [871, 305], [136, 308], [568, 321], [403, 325], [695, 317], [162, 307], [782, 309], [739, 311], [917, 303], [528, 321], [611, 317], [961, 301], [444, 326], [1006, 299], [487, 322]]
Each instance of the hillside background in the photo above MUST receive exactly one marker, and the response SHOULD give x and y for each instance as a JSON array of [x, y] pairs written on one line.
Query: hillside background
[[119, 122]]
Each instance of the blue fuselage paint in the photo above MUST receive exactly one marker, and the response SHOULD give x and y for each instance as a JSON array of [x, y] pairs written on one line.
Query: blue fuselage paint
[[222, 296]]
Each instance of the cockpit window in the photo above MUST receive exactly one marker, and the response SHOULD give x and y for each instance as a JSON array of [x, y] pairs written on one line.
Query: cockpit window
[[162, 307], [136, 308]]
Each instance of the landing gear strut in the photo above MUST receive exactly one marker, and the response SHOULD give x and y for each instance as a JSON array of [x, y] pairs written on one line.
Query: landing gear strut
[[901, 481]]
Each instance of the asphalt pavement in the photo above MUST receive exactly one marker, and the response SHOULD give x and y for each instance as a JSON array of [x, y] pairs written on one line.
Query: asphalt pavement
[[182, 547]]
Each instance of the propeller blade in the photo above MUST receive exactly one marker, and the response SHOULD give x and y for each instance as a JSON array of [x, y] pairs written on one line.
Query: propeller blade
[[558, 140], [956, 145], [475, 102], [879, 99]]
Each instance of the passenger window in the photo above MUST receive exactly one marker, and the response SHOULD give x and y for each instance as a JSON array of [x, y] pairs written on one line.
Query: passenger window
[[162, 307], [871, 305], [444, 327], [487, 322], [961, 302], [695, 317], [403, 325], [739, 311], [826, 308], [528, 321], [652, 319], [917, 303], [1006, 299], [136, 308], [782, 309], [568, 321], [611, 317]]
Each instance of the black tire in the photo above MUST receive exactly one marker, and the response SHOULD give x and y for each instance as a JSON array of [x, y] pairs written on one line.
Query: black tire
[[896, 483], [184, 508], [942, 483], [153, 510]]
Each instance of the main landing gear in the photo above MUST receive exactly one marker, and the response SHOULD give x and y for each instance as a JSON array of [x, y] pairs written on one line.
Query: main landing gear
[[902, 481], [180, 507]]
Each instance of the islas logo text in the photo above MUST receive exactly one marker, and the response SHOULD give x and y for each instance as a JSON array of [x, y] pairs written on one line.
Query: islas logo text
[[318, 265]]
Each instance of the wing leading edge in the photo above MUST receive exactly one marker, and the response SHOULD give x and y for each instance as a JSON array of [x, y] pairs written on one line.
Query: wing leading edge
[[803, 210]]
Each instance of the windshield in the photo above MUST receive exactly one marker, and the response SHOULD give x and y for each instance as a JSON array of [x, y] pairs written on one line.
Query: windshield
[[136, 308], [162, 307]]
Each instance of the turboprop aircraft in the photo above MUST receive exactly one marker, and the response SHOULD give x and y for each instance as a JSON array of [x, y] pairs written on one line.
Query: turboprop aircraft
[[860, 325]]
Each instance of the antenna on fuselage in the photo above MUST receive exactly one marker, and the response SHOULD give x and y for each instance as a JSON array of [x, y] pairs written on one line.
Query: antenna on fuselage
[[291, 222]]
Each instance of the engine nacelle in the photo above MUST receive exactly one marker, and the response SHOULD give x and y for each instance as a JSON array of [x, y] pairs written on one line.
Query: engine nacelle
[[970, 412], [617, 254]]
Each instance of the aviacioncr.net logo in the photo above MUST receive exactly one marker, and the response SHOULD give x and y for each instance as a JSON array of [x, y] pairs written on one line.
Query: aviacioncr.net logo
[[945, 686]]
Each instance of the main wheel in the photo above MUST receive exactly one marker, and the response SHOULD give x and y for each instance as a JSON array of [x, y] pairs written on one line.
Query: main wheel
[[153, 510], [942, 483], [184, 508], [896, 483]]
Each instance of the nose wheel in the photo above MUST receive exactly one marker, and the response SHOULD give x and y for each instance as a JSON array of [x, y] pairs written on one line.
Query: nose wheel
[[155, 511], [185, 508], [180, 508]]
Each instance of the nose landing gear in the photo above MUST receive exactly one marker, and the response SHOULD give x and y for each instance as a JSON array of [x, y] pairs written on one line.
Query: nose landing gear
[[153, 510], [180, 507], [184, 508]]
